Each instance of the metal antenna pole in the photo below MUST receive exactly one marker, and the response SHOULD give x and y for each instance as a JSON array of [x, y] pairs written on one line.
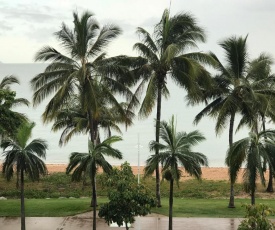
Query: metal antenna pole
[[138, 158]]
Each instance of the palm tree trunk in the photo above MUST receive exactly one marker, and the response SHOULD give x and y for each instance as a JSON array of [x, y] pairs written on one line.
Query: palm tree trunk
[[231, 200], [253, 203], [23, 223], [93, 139], [270, 178], [93, 135], [94, 203], [157, 140], [17, 179], [94, 196], [170, 226], [231, 126], [253, 197]]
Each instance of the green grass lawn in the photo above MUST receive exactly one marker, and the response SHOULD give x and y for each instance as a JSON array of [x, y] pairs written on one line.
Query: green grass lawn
[[47, 207], [208, 207], [182, 207]]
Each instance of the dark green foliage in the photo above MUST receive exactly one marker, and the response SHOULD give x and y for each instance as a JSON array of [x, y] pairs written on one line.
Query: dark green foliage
[[23, 157], [242, 86], [251, 151], [127, 198], [256, 218], [166, 56], [85, 165], [175, 151], [9, 120]]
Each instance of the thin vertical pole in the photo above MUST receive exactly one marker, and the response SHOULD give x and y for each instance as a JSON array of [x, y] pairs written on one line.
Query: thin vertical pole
[[138, 159], [138, 176]]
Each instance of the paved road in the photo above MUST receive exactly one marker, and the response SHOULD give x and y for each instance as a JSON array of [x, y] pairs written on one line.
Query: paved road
[[142, 223]]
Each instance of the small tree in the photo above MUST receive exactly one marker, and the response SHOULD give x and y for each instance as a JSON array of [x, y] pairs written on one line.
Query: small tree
[[24, 157], [82, 164], [176, 151], [256, 218], [251, 150], [127, 198]]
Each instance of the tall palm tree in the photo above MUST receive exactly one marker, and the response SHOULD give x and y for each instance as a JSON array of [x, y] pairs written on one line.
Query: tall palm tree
[[231, 92], [165, 52], [10, 119], [251, 150], [88, 163], [176, 152], [23, 156], [262, 82], [80, 71]]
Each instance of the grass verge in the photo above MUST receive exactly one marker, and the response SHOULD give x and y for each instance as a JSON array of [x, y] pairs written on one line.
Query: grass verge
[[215, 208], [182, 207]]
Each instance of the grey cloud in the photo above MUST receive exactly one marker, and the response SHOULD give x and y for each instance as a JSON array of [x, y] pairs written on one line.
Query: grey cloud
[[150, 22], [4, 26], [31, 12], [29, 16], [129, 27], [258, 6], [41, 34]]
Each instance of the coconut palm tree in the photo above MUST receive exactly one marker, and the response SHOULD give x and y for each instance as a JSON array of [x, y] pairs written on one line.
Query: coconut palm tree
[[232, 92], [88, 163], [176, 152], [262, 82], [251, 150], [24, 157], [81, 70], [165, 52], [10, 119], [72, 120]]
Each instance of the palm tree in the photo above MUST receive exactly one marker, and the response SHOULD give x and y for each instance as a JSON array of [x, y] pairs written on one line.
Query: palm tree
[[165, 55], [23, 156], [10, 119], [82, 71], [175, 152], [6, 83], [262, 83], [251, 150], [88, 163], [232, 91], [72, 120]]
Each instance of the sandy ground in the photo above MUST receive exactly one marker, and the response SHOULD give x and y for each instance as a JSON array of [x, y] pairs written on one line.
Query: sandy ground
[[211, 173], [208, 173]]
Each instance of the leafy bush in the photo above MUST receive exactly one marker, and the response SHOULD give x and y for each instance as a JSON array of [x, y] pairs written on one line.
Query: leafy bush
[[127, 199], [256, 218]]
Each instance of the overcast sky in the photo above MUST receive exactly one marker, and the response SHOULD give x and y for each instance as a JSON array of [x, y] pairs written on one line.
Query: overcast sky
[[28, 25]]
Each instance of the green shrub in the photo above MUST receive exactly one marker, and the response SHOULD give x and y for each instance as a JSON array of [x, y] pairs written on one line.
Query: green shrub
[[256, 218]]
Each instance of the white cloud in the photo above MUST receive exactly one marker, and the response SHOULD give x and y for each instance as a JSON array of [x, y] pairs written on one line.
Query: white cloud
[[32, 23]]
